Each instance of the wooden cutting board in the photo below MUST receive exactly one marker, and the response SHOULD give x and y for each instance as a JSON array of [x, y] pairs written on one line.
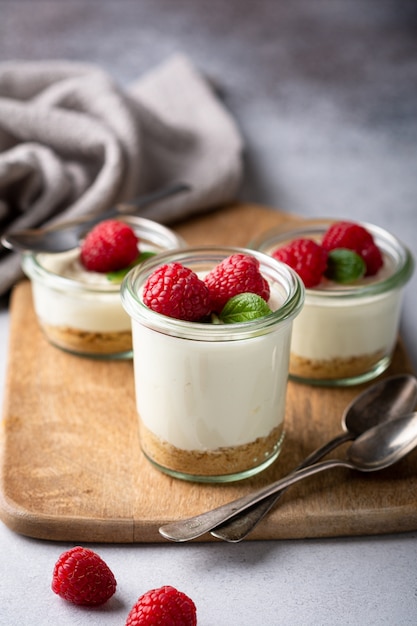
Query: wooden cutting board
[[71, 466]]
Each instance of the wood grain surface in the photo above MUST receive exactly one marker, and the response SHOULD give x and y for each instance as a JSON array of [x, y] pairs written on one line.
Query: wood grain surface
[[70, 462]]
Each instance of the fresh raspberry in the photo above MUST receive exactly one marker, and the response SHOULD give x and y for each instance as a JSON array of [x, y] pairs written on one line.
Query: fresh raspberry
[[373, 259], [82, 577], [109, 246], [354, 237], [306, 257], [239, 273], [176, 291], [165, 606], [347, 235]]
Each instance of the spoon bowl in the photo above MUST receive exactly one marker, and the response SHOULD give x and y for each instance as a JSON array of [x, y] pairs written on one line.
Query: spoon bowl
[[376, 449], [383, 401], [63, 237]]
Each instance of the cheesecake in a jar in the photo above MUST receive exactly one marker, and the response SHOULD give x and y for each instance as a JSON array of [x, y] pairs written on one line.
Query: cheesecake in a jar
[[78, 308], [211, 387], [354, 274]]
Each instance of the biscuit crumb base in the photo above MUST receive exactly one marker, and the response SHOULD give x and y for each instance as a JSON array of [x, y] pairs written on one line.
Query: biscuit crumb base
[[220, 462], [86, 342], [333, 369]]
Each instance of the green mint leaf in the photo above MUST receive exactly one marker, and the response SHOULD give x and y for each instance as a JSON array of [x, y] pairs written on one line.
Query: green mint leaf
[[117, 277], [345, 266], [243, 308]]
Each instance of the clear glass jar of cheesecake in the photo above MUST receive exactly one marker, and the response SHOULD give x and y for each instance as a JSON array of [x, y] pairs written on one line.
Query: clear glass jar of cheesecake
[[348, 329], [79, 310], [211, 389]]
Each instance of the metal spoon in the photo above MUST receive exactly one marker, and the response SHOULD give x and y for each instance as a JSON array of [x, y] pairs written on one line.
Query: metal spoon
[[67, 236], [378, 448], [382, 401]]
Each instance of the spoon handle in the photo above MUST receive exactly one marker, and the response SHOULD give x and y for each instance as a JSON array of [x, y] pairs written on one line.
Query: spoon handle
[[193, 527], [241, 525], [137, 203], [154, 196], [66, 235]]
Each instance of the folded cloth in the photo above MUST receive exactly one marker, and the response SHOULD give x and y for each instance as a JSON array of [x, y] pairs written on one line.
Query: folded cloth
[[73, 142]]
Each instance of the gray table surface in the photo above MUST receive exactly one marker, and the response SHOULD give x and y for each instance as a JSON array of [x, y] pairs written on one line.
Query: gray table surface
[[325, 93]]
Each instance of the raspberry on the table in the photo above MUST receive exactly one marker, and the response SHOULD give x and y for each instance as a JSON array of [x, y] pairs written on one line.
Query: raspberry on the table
[[238, 273], [354, 237], [110, 246], [165, 606], [82, 577], [177, 291], [306, 257]]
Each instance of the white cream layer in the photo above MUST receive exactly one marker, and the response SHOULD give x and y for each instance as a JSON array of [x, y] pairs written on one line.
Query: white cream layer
[[82, 309], [343, 327], [204, 395], [91, 312], [330, 328]]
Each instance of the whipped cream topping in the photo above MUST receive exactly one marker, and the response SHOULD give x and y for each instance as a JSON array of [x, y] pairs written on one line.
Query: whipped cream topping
[[68, 265]]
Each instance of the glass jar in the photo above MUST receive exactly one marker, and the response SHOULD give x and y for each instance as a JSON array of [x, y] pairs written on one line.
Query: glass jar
[[80, 311], [346, 334], [211, 397]]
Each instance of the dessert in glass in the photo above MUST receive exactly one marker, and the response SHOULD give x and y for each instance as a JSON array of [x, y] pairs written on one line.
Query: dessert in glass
[[211, 389], [348, 329], [79, 310]]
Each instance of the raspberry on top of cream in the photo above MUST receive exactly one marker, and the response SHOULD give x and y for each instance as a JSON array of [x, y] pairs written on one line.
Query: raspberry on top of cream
[[110, 246], [233, 291], [346, 253]]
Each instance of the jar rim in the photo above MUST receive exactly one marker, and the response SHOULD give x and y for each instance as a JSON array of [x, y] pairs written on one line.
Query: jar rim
[[399, 254], [133, 304]]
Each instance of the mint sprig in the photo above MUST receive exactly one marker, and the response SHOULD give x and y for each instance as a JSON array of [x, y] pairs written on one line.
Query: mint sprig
[[243, 308], [117, 277], [344, 266]]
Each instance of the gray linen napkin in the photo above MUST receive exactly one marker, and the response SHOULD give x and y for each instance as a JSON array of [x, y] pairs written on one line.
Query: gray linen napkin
[[73, 142]]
